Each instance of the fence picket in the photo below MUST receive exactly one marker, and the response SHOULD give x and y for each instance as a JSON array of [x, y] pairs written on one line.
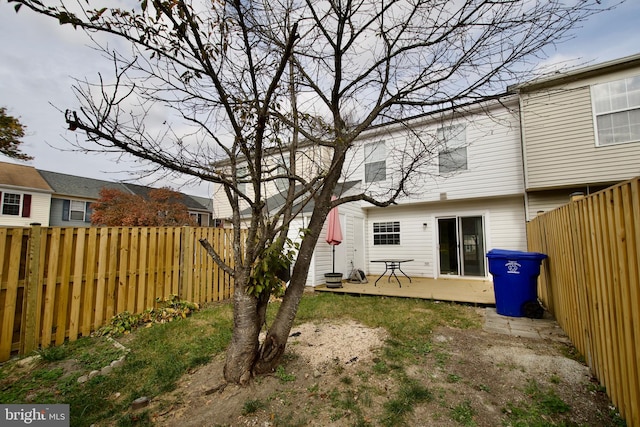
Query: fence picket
[[112, 273], [29, 333], [62, 300], [50, 292], [88, 302], [11, 294], [121, 287], [142, 271], [76, 293]]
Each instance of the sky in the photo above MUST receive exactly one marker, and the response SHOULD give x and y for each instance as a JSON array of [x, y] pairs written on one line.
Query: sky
[[39, 60]]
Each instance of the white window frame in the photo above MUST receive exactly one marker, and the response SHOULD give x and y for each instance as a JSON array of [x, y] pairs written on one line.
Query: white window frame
[[386, 233], [241, 172], [616, 111], [283, 166], [72, 210], [375, 161], [453, 142], [3, 203]]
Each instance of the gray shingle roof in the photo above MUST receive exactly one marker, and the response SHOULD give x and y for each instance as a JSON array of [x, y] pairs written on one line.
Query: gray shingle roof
[[276, 201], [191, 202], [89, 188], [77, 186]]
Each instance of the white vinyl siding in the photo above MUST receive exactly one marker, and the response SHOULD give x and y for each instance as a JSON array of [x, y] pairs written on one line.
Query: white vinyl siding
[[548, 200], [322, 261], [494, 158], [39, 211], [560, 142], [504, 226], [494, 162]]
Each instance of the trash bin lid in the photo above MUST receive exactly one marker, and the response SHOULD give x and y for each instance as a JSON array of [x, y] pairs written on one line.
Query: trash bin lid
[[505, 253]]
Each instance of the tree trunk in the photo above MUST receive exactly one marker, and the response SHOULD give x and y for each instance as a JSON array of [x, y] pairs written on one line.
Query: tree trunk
[[274, 345], [275, 342], [243, 349], [244, 357]]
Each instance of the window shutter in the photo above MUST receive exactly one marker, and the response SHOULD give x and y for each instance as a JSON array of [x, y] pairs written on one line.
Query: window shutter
[[66, 205], [87, 212], [26, 205]]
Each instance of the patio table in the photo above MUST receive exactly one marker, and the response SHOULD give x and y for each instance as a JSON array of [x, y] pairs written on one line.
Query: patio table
[[392, 265]]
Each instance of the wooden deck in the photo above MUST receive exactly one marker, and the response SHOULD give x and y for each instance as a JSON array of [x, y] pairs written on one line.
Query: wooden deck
[[473, 291]]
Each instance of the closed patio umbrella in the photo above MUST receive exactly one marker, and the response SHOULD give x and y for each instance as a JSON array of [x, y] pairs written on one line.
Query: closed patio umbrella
[[334, 231]]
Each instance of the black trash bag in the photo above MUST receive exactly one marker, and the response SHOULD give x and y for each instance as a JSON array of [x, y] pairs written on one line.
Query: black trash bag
[[533, 309]]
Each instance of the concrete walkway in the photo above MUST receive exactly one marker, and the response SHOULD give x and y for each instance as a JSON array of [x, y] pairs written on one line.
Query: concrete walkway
[[545, 328]]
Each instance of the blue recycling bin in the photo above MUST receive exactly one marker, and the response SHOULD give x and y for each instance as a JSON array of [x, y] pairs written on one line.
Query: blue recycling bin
[[515, 279]]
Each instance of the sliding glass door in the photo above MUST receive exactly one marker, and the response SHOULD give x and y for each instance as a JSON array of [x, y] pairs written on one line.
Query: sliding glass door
[[461, 246]]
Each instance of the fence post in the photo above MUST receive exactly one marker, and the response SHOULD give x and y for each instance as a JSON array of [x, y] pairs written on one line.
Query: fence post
[[30, 341], [186, 266]]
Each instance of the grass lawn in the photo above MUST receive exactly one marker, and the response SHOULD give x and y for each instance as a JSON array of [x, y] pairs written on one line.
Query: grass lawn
[[159, 355]]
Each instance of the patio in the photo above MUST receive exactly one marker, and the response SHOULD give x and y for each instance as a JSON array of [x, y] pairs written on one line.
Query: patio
[[475, 291]]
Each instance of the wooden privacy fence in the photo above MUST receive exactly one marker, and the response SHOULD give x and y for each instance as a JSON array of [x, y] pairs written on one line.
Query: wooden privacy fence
[[591, 284], [58, 283]]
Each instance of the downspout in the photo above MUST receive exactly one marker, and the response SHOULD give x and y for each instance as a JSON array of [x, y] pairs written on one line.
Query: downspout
[[523, 145]]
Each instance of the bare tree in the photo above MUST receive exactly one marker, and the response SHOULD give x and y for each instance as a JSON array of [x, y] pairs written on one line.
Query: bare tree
[[252, 81]]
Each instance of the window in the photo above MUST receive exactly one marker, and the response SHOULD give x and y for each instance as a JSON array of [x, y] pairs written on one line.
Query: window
[[15, 204], [196, 218], [76, 210], [11, 204], [386, 233], [453, 156], [283, 169], [616, 106], [241, 176], [375, 163]]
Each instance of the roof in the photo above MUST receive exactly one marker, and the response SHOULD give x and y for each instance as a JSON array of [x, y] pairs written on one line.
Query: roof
[[275, 202], [89, 188], [576, 74], [207, 203], [77, 186], [21, 176], [190, 202]]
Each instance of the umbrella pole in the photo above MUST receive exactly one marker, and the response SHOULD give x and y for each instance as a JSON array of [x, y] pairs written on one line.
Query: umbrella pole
[[333, 247]]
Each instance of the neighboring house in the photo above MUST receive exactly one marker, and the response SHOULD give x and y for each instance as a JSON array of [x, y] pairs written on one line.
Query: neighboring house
[[25, 196], [581, 131], [199, 208], [61, 200], [310, 160], [203, 214], [73, 196]]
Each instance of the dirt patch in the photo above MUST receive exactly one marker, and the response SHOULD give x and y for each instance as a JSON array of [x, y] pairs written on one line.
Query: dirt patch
[[330, 378]]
